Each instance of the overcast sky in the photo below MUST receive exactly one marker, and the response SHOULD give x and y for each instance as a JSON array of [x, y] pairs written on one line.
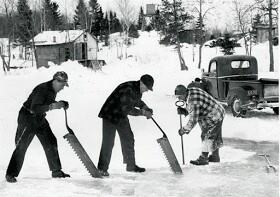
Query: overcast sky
[[220, 16]]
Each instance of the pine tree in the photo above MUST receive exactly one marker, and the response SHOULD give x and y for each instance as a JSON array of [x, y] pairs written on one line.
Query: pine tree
[[24, 30], [115, 23], [175, 16], [140, 19], [57, 18], [173, 19], [133, 32], [94, 9], [97, 25], [105, 29], [227, 45], [52, 17], [156, 22], [81, 16]]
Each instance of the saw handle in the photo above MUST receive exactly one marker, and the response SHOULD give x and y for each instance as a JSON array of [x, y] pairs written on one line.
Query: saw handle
[[66, 123], [164, 135]]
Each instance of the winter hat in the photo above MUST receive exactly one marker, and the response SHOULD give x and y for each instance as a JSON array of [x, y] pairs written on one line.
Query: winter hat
[[180, 90], [148, 81], [61, 76]]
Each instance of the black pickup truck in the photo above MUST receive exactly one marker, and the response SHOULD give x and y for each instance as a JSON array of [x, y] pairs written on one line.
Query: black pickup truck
[[233, 80]]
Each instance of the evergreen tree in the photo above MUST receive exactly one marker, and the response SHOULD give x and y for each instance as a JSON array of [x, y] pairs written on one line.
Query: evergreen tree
[[47, 15], [140, 19], [57, 17], [24, 30], [105, 29], [81, 17], [133, 32], [227, 45], [99, 23], [156, 21], [52, 17], [173, 19], [115, 24], [94, 9]]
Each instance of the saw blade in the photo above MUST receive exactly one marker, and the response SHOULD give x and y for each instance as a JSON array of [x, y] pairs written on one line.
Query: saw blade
[[169, 154], [82, 155]]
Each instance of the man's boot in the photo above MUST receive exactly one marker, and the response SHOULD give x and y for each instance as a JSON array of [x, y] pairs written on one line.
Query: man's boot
[[214, 157], [202, 160], [10, 178], [59, 174], [135, 168], [103, 172]]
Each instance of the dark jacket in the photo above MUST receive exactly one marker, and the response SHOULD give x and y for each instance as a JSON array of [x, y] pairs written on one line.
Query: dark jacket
[[123, 101], [39, 100]]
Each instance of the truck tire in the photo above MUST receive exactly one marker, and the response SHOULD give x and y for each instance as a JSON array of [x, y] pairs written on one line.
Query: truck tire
[[236, 109], [276, 110]]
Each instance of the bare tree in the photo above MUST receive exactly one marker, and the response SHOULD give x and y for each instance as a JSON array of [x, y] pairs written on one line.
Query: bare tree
[[202, 15], [128, 16], [270, 7], [8, 6], [243, 17]]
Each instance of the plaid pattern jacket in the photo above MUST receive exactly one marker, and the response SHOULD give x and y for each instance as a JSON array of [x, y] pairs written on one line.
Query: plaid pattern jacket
[[124, 100], [204, 109]]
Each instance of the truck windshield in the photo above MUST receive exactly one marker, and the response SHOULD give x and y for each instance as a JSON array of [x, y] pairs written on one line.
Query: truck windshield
[[240, 64]]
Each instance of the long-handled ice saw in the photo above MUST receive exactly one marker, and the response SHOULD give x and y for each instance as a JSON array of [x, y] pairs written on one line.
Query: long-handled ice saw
[[168, 151], [80, 151]]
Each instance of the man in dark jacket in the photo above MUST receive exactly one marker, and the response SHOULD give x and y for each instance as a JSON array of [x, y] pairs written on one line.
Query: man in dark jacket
[[32, 121], [125, 100], [202, 108]]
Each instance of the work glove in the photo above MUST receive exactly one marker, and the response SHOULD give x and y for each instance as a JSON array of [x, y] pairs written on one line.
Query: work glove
[[181, 110], [66, 104], [59, 105], [149, 109], [147, 113], [182, 131]]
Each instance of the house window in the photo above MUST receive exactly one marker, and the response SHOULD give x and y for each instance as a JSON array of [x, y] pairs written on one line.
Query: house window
[[67, 54]]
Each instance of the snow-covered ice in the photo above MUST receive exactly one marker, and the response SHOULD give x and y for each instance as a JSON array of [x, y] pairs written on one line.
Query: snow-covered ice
[[241, 172]]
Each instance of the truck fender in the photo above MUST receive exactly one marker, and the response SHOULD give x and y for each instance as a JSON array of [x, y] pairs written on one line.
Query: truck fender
[[240, 92]]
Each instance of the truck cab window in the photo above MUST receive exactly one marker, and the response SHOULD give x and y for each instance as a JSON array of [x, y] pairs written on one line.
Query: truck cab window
[[213, 67], [240, 64]]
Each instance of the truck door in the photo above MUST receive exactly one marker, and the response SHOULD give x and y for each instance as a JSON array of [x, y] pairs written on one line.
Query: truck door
[[212, 80]]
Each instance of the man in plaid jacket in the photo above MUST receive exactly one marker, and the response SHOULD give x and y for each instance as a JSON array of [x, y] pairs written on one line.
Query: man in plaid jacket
[[125, 100], [202, 108]]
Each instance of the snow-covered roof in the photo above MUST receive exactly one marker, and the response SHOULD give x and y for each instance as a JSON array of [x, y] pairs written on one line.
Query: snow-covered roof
[[57, 37]]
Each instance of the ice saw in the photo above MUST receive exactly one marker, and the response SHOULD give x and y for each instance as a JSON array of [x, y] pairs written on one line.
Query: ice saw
[[168, 151], [80, 151]]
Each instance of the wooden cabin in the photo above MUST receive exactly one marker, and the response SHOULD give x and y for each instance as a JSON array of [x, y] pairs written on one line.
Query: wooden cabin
[[60, 46]]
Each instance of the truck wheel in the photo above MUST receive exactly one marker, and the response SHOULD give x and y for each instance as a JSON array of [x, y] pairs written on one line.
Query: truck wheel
[[236, 109], [276, 110]]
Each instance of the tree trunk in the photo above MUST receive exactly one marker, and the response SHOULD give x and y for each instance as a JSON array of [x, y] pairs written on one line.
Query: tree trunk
[[181, 59], [271, 66], [199, 56]]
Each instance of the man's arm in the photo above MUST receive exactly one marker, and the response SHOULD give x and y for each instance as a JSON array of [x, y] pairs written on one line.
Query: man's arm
[[193, 110]]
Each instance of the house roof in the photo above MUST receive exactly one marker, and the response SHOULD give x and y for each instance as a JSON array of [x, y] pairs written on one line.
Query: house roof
[[57, 37]]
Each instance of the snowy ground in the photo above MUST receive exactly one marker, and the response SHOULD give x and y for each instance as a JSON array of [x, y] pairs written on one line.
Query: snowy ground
[[241, 172]]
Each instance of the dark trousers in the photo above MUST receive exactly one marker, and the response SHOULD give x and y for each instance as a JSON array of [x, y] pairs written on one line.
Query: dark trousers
[[29, 126], [126, 139]]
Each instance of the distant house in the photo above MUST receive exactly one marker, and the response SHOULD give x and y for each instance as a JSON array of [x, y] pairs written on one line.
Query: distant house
[[190, 34], [261, 31], [60, 46]]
